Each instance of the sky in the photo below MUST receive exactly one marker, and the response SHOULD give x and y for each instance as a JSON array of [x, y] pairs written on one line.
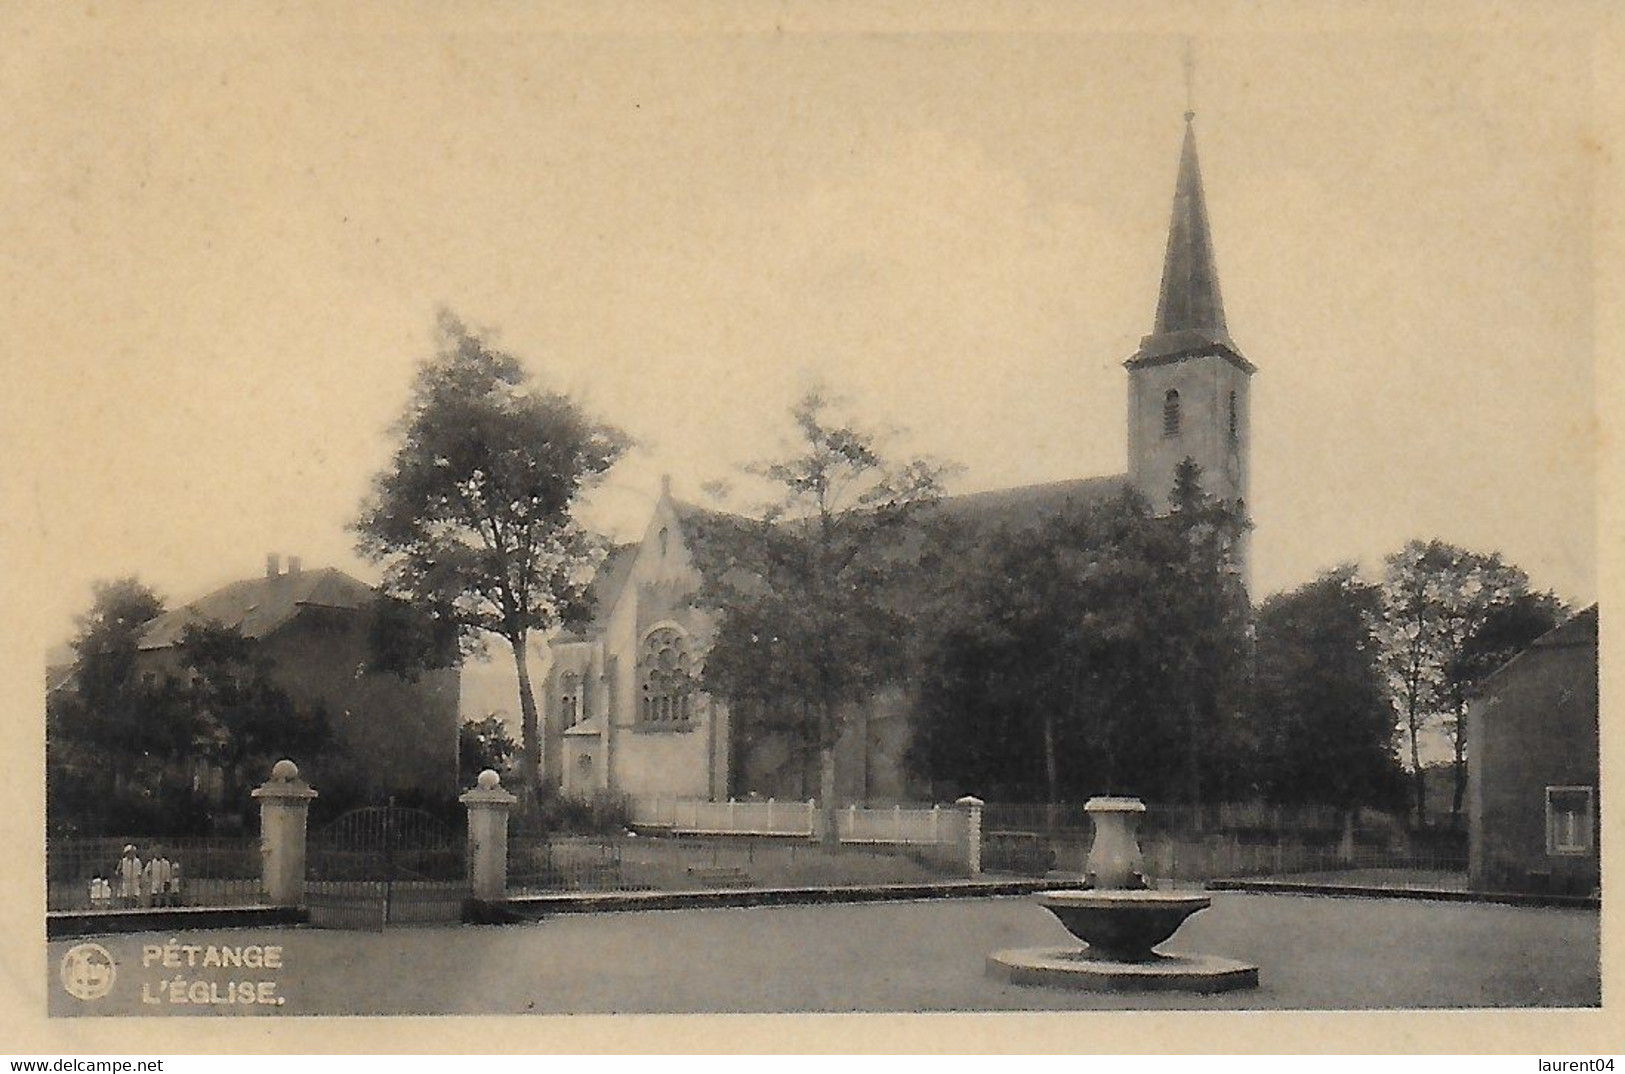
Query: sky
[[228, 242]]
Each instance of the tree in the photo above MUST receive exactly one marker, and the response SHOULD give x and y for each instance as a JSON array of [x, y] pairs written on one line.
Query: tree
[[1320, 703], [483, 744], [107, 641], [1206, 615], [242, 720], [808, 621], [1039, 682], [473, 516], [1102, 650], [1436, 598], [100, 723], [123, 740]]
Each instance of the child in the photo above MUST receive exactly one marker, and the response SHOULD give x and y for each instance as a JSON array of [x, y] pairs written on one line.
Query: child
[[128, 873], [157, 876]]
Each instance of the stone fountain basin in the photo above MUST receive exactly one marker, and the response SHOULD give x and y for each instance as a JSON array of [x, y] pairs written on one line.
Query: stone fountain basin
[[1122, 926]]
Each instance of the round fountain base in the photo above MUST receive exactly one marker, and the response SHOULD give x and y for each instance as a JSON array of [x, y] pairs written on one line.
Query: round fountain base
[[1076, 968]]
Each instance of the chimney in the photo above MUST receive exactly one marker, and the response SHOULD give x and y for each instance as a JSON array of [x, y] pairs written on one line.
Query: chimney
[[273, 565], [294, 563]]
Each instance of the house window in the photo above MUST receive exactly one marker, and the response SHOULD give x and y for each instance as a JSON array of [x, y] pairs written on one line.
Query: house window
[[1170, 413], [1569, 820], [570, 697], [666, 680], [1235, 428]]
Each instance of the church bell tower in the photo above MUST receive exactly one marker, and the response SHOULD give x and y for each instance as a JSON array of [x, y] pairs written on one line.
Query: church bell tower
[[1188, 382]]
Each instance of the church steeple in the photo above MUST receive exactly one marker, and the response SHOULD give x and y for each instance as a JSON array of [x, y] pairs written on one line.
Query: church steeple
[[1190, 310], [1189, 385], [1190, 301]]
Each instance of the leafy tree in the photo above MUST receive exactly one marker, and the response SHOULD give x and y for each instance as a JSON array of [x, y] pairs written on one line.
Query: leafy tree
[[107, 641], [243, 721], [1034, 684], [105, 727], [123, 735], [1102, 650], [1320, 703], [473, 516], [407, 639], [809, 624], [1436, 599], [1206, 617], [483, 744]]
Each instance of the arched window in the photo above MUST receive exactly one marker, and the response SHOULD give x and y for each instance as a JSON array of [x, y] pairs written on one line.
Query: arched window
[[570, 697], [663, 538], [666, 679], [1235, 427], [1170, 413]]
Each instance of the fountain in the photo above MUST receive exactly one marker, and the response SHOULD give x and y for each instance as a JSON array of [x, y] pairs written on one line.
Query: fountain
[[1121, 920]]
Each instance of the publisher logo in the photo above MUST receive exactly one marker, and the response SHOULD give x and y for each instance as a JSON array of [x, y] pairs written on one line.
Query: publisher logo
[[87, 971]]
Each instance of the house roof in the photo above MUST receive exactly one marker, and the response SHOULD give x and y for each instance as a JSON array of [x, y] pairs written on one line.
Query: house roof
[[258, 606], [1580, 629]]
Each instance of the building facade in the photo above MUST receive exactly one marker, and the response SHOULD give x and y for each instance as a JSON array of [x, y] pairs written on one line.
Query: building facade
[[315, 631], [1533, 815], [620, 709]]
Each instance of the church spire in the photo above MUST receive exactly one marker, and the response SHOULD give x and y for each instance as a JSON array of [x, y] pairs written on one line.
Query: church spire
[[1190, 311]]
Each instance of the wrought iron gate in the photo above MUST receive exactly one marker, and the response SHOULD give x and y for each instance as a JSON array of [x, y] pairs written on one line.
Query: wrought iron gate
[[385, 865]]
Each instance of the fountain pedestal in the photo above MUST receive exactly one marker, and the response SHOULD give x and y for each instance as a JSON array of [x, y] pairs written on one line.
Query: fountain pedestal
[[1120, 922]]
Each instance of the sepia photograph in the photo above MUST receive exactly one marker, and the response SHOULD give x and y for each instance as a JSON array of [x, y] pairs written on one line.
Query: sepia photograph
[[790, 511]]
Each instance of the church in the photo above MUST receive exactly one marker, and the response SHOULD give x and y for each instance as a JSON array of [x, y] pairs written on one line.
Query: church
[[617, 715]]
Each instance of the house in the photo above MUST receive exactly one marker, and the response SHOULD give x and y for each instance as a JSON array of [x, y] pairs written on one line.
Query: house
[[619, 711], [1533, 818], [392, 734]]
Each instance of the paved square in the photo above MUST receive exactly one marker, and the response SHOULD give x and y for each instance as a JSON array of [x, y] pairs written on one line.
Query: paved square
[[1314, 954]]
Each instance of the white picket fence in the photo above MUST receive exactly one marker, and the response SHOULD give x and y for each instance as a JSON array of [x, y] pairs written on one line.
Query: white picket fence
[[896, 826]]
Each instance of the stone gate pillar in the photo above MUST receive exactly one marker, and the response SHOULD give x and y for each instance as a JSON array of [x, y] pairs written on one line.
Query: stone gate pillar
[[973, 833], [488, 805], [284, 808]]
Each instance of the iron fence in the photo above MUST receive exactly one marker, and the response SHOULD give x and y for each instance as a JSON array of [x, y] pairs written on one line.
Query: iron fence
[[89, 873]]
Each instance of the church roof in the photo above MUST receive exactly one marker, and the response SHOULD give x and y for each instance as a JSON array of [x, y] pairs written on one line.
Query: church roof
[[1025, 505], [610, 578], [1190, 310], [592, 726], [1018, 507], [258, 606]]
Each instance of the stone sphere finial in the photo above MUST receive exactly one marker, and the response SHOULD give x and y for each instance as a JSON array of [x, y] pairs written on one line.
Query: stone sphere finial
[[489, 780], [285, 771]]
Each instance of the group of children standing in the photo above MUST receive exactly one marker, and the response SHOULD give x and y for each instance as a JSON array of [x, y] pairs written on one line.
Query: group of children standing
[[154, 882]]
